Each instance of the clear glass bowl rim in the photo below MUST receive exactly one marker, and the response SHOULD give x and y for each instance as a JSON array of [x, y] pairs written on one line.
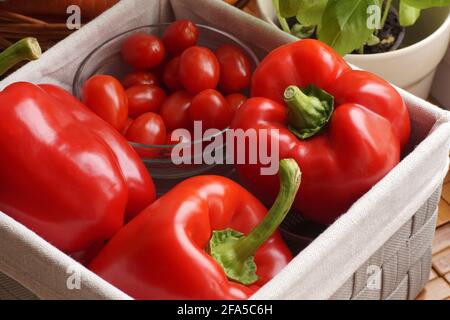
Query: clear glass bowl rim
[[76, 89]]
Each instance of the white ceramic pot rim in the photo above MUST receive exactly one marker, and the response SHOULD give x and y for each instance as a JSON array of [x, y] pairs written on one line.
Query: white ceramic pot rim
[[409, 49]]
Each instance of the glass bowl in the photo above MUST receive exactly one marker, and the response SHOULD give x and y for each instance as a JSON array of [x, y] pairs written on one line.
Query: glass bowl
[[106, 59]]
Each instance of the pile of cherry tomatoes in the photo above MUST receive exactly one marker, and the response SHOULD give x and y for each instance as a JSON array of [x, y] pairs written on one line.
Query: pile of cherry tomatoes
[[175, 83]]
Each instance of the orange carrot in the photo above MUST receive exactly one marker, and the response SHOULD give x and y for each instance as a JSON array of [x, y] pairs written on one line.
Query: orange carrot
[[89, 8]]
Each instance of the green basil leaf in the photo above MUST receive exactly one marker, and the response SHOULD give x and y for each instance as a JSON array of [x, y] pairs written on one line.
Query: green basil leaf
[[303, 32], [288, 8], [344, 24], [425, 4], [408, 14], [373, 40], [310, 11]]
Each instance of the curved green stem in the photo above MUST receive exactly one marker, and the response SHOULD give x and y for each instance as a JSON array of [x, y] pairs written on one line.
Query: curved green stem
[[289, 183], [387, 8], [25, 49], [309, 110], [283, 22], [234, 251]]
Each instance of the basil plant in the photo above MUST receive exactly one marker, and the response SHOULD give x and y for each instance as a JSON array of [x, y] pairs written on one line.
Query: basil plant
[[346, 25]]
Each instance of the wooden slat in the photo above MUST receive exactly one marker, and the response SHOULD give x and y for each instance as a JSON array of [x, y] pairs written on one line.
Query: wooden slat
[[437, 289], [433, 275], [441, 262], [444, 213], [447, 177], [447, 277], [446, 192], [442, 239]]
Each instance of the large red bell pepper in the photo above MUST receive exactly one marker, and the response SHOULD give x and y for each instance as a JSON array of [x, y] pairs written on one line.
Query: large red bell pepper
[[64, 173], [191, 240], [345, 128], [140, 184]]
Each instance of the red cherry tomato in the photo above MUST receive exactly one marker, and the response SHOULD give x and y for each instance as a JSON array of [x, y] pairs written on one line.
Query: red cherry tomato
[[148, 129], [144, 98], [170, 75], [184, 137], [158, 71], [175, 111], [211, 108], [235, 69], [179, 36], [139, 77], [143, 51], [107, 98], [235, 101], [128, 123], [198, 70], [181, 137]]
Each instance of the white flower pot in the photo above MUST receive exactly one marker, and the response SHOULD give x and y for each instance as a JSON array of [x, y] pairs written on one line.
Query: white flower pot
[[440, 90], [411, 67]]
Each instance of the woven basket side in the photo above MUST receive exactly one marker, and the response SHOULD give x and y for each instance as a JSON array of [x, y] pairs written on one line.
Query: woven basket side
[[12, 290], [399, 269]]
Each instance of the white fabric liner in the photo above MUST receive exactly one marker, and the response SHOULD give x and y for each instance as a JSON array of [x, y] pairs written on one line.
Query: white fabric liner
[[319, 270]]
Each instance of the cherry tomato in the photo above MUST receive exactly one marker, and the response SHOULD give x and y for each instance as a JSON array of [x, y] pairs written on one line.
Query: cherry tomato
[[143, 51], [139, 77], [181, 137], [179, 36], [235, 101], [105, 96], [211, 108], [128, 123], [170, 75], [158, 72], [144, 98], [198, 70], [175, 111], [148, 129], [235, 69]]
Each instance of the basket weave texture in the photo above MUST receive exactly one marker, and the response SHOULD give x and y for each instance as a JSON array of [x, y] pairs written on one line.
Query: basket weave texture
[[404, 261]]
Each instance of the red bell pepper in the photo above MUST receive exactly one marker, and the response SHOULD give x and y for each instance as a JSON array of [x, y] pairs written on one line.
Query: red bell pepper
[[64, 173], [345, 128], [141, 190], [191, 240]]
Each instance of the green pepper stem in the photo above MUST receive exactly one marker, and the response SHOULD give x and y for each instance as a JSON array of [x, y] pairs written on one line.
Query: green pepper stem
[[309, 110], [234, 251], [25, 49], [290, 177]]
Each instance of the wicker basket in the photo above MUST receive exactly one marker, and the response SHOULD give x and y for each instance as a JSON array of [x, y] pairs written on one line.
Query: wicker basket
[[389, 230], [404, 261]]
